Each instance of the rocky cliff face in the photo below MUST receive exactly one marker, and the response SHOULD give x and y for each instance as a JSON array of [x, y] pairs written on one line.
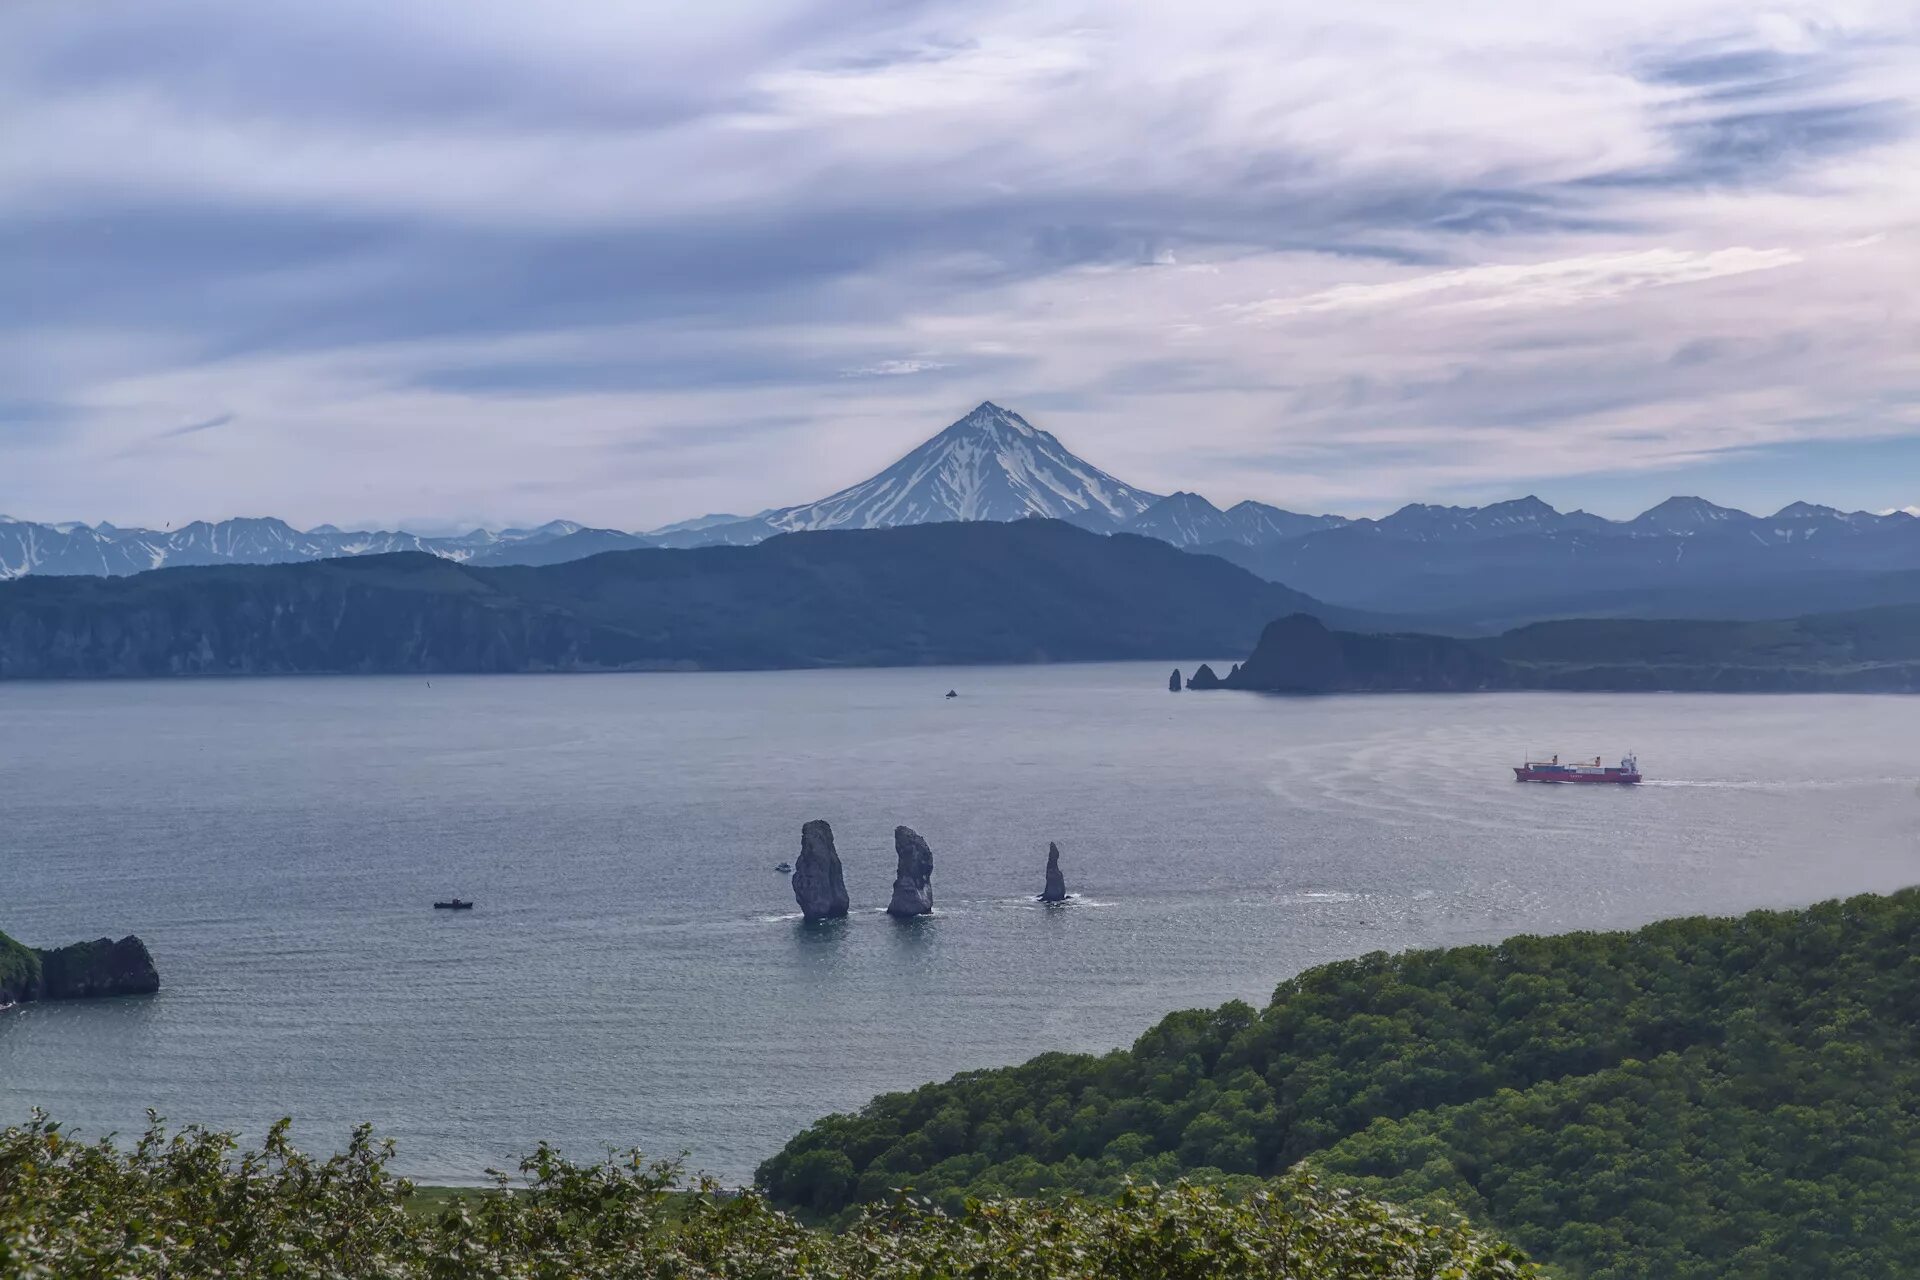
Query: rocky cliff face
[[1056, 890], [78, 972], [913, 879], [818, 884]]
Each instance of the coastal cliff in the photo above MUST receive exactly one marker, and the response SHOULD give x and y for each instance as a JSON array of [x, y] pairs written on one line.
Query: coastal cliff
[[81, 971]]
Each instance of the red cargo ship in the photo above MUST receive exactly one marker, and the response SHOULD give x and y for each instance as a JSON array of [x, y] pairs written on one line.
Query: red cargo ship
[[1627, 771]]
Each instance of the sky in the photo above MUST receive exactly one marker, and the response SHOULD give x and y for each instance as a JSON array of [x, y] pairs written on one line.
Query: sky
[[398, 262]]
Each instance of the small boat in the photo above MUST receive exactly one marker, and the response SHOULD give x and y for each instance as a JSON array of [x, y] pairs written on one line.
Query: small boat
[[454, 904], [1627, 772], [952, 694], [784, 868]]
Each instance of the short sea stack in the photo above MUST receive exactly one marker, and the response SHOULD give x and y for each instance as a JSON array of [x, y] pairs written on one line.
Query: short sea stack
[[818, 885], [913, 881], [1056, 890], [1173, 681]]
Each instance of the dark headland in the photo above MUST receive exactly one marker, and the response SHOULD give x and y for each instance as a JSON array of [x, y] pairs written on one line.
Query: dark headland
[[1869, 651], [81, 971]]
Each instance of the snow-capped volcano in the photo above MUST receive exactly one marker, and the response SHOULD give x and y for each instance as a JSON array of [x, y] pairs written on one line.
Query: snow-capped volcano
[[991, 465]]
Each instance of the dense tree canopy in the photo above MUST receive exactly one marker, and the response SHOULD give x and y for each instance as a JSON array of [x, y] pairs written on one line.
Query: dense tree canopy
[[19, 970], [1673, 1101], [193, 1206]]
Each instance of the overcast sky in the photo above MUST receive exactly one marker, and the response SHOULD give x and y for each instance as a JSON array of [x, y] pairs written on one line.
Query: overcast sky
[[385, 261]]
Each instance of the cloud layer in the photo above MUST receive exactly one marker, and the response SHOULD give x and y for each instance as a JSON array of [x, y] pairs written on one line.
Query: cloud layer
[[370, 261]]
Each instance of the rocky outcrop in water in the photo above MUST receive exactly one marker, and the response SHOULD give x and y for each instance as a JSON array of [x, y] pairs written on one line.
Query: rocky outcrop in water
[[78, 972], [1173, 681], [913, 880], [1056, 890], [1203, 677], [818, 885], [1298, 654], [102, 967]]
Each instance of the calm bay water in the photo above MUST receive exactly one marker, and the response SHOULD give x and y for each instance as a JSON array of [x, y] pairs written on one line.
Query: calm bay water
[[634, 973]]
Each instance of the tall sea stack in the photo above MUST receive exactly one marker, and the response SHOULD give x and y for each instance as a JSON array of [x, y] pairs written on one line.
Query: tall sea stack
[[913, 881], [818, 885], [1173, 681], [1056, 890]]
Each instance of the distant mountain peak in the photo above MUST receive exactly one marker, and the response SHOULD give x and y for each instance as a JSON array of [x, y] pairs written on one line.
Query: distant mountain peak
[[991, 464], [1185, 519], [1811, 511], [697, 523], [1531, 503], [1686, 513]]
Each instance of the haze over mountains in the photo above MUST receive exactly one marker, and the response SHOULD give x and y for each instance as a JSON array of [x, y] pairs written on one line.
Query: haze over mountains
[[1472, 566]]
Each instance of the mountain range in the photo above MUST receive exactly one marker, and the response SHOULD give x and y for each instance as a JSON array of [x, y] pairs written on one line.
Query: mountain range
[[105, 550], [1020, 591], [1463, 567]]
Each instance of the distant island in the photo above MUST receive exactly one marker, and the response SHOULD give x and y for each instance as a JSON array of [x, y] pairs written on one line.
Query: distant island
[[974, 592], [1866, 651]]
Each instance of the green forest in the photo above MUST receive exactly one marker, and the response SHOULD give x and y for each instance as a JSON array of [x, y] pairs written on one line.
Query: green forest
[[193, 1204], [1701, 1097]]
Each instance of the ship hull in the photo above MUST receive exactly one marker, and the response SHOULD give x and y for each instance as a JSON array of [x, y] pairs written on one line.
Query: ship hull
[[1614, 777]]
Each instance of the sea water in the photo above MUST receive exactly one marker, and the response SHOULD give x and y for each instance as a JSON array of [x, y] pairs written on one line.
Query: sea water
[[634, 972]]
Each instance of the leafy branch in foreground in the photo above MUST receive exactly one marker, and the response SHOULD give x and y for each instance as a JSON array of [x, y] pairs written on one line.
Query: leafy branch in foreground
[[194, 1204]]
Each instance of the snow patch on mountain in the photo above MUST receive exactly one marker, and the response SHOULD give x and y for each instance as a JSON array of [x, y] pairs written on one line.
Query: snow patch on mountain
[[990, 465], [1185, 520]]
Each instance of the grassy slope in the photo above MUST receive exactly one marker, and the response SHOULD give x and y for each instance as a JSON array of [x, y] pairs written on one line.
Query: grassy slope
[[1660, 1102]]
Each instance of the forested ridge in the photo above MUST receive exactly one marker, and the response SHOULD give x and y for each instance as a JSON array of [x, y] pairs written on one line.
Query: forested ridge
[[979, 592], [1701, 1097]]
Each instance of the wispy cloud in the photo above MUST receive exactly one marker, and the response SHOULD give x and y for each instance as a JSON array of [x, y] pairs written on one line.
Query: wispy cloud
[[1559, 283], [1324, 256], [895, 368], [195, 428]]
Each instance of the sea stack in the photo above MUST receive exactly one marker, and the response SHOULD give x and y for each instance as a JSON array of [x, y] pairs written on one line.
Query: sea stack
[[818, 885], [1173, 681], [1056, 890], [913, 881], [1203, 677]]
